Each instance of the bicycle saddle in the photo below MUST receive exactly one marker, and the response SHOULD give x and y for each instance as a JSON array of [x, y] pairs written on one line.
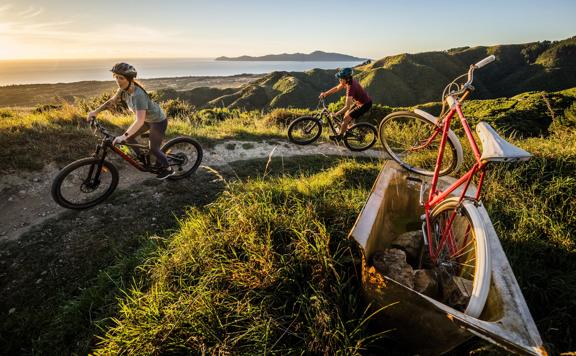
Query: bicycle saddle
[[497, 149]]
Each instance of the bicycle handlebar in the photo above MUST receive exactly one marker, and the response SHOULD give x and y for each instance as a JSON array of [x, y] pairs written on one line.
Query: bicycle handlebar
[[97, 125], [485, 61], [466, 87]]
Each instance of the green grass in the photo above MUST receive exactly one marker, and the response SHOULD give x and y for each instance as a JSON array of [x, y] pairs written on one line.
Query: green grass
[[533, 209], [31, 139], [267, 268]]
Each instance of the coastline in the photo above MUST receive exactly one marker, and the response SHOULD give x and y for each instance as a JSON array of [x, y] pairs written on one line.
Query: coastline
[[29, 95]]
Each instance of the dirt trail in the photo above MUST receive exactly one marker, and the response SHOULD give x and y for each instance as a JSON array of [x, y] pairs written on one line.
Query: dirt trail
[[50, 255], [25, 199]]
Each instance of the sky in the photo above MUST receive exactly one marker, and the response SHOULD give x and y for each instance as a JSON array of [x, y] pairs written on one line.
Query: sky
[[209, 28]]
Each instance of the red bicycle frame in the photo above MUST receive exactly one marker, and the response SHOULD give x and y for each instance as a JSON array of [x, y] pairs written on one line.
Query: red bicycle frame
[[436, 196]]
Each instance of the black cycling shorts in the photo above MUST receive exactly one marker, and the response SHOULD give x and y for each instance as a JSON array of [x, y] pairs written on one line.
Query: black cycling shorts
[[360, 110]]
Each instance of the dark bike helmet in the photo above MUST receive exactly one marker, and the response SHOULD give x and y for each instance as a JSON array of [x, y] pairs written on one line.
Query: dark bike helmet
[[344, 73], [124, 69]]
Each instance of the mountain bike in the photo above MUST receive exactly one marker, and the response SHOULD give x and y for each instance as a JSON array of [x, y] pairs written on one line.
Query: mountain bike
[[307, 129], [89, 181], [452, 227]]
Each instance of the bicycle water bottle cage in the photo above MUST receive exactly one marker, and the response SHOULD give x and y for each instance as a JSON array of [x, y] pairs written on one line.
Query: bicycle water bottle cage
[[497, 149]]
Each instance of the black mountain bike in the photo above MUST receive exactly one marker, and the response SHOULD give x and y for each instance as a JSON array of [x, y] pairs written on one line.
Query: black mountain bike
[[88, 181], [307, 129]]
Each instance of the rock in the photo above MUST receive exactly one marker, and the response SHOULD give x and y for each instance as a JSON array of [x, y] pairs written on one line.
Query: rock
[[411, 243], [456, 291], [426, 282], [392, 263]]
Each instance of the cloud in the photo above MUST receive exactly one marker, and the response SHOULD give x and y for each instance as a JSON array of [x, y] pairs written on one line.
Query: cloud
[[27, 32], [30, 12]]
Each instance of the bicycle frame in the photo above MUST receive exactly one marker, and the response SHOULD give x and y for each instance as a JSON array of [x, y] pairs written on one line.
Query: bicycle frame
[[435, 196], [328, 116], [106, 144]]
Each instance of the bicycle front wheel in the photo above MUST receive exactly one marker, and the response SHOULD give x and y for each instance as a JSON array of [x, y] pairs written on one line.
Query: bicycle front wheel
[[184, 155], [461, 255], [84, 183], [413, 142], [360, 137], [304, 130]]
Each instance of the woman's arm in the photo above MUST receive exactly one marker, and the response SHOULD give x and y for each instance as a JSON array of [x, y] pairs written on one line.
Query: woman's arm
[[332, 91], [133, 129], [347, 105], [107, 105], [137, 124]]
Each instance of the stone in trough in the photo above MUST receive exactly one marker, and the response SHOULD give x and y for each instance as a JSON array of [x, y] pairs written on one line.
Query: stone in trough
[[456, 291], [392, 263], [426, 282], [411, 243]]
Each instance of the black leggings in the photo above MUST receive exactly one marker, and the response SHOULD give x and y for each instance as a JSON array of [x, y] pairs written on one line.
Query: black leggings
[[157, 130]]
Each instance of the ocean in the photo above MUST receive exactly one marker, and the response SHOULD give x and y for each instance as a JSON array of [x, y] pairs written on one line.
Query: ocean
[[67, 70]]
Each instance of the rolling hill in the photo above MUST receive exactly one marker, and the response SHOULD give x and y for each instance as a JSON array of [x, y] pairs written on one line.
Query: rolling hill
[[408, 79]]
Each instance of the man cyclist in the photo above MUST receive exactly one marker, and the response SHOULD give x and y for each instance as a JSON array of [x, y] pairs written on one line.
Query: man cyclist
[[357, 103]]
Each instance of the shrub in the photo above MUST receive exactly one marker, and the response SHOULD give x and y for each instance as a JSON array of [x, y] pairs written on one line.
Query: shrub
[[283, 117], [176, 108]]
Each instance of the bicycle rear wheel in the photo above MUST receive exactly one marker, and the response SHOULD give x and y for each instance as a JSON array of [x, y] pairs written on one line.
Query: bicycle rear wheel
[[184, 155], [360, 137], [409, 140], [84, 183], [304, 130], [463, 258]]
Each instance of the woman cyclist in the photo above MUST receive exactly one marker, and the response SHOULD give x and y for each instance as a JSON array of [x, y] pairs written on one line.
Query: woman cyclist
[[355, 94], [149, 115]]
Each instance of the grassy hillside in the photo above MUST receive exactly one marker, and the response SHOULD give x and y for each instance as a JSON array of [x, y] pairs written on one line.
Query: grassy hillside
[[410, 79], [400, 80], [266, 266]]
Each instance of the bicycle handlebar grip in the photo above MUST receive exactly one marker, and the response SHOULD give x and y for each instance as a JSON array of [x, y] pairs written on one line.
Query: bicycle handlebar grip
[[485, 61]]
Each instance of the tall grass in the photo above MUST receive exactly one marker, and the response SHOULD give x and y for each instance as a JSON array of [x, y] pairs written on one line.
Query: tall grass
[[267, 268], [31, 139], [533, 208]]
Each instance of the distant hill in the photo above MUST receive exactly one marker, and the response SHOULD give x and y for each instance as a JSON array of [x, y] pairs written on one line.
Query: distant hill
[[26, 95], [316, 56], [410, 79]]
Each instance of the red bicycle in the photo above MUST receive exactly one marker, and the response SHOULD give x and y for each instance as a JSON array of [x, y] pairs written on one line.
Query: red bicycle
[[89, 181], [452, 226]]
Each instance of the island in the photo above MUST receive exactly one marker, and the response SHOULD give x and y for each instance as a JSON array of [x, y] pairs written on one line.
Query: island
[[316, 56]]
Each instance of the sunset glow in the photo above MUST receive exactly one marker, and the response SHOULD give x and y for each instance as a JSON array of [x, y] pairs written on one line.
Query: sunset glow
[[148, 29]]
